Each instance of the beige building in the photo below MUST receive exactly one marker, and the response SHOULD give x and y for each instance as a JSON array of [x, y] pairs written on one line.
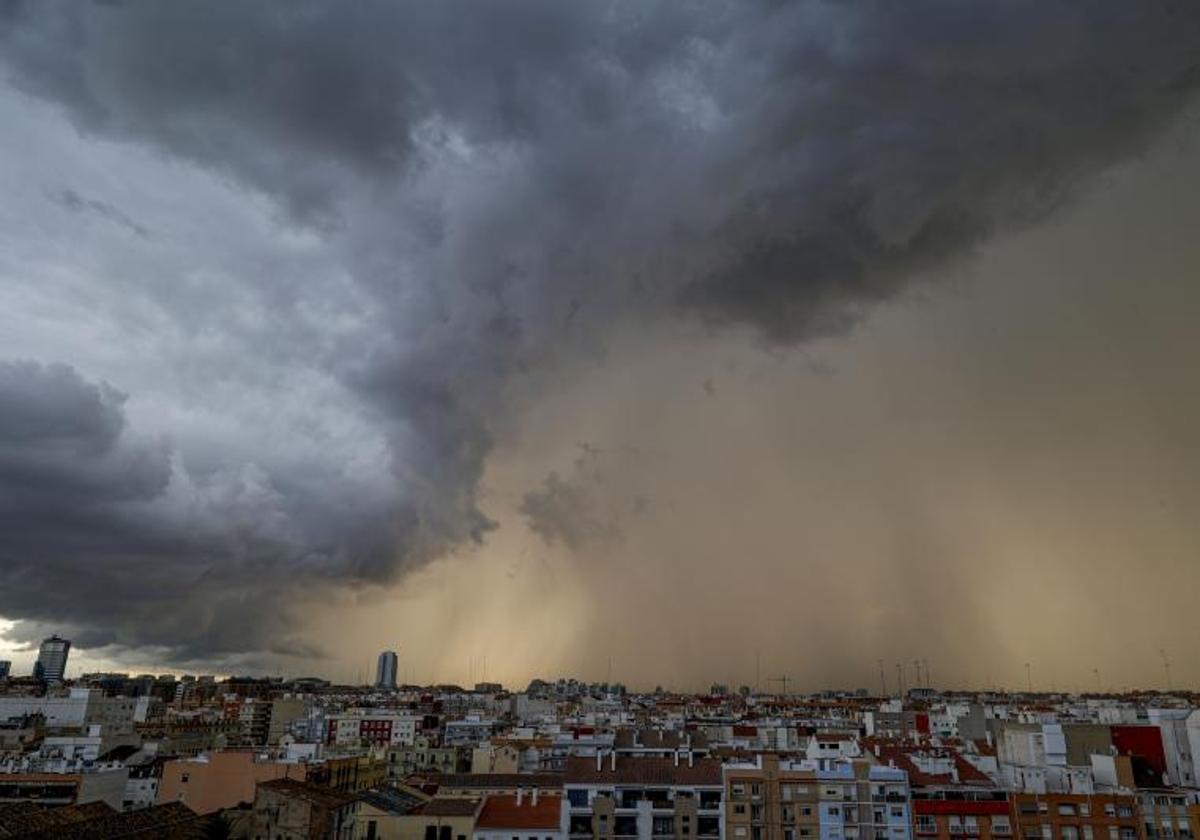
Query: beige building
[[492, 758], [437, 819], [221, 780], [772, 802], [286, 808]]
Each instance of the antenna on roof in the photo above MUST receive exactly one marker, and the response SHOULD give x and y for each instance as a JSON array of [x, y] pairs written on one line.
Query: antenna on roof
[[1166, 667], [882, 679]]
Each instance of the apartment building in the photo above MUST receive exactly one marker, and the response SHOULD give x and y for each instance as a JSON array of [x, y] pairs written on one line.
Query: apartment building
[[612, 797], [1073, 816], [1169, 814], [424, 756], [774, 799], [771, 799]]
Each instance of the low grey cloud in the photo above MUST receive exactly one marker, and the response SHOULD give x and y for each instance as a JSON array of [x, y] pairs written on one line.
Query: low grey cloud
[[466, 191], [72, 201]]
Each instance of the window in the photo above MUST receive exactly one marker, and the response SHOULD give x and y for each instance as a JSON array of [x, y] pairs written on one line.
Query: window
[[183, 779], [739, 831], [739, 809], [1066, 809], [1000, 825], [1069, 832], [1085, 809]]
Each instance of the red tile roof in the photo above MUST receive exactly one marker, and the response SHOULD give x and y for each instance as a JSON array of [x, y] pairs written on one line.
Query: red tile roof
[[967, 773], [449, 807], [502, 811]]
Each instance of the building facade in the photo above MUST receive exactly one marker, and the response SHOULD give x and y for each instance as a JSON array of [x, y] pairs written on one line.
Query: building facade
[[51, 663]]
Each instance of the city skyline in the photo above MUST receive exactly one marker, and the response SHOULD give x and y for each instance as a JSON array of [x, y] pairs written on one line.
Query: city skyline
[[673, 343]]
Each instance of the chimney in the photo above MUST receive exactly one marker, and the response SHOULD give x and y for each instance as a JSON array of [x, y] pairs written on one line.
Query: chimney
[[599, 759], [676, 754], [613, 762], [520, 791], [689, 758], [533, 799]]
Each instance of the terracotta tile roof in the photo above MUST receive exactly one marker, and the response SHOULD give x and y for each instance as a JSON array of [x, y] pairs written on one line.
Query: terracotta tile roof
[[643, 771], [97, 821], [316, 794], [984, 748], [502, 811], [967, 773], [449, 807], [483, 781]]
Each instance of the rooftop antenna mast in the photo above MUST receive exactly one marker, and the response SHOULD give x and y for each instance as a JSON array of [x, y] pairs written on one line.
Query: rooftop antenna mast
[[917, 672], [1166, 667], [900, 679], [882, 679], [784, 679]]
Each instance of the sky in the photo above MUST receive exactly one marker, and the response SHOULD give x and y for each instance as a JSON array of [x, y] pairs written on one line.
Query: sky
[[673, 343]]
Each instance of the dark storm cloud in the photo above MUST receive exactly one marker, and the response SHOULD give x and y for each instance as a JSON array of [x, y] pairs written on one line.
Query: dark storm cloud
[[111, 536], [506, 181]]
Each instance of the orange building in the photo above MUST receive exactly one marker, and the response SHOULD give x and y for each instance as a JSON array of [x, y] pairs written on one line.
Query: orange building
[[1076, 816], [221, 779]]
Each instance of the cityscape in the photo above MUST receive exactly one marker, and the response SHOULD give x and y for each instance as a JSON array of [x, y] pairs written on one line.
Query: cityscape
[[116, 754], [599, 420]]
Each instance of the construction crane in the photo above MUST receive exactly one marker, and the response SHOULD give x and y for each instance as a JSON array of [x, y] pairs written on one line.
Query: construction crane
[[784, 680]]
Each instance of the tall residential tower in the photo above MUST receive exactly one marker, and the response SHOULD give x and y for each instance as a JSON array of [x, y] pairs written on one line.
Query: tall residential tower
[[51, 663], [385, 671]]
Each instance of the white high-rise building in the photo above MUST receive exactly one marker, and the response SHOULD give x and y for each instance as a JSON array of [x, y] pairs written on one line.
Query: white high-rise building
[[385, 671], [51, 663]]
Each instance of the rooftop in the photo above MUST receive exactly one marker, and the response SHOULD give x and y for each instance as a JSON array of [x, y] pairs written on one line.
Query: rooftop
[[449, 807], [508, 811], [317, 795], [642, 771]]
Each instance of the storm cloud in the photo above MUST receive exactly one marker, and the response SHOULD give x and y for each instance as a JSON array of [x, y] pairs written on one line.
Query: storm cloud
[[462, 195]]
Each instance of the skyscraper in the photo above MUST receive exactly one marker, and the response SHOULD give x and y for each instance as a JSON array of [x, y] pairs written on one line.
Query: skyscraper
[[385, 671], [51, 663]]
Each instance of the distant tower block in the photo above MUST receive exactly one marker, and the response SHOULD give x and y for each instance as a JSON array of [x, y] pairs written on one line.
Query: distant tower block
[[385, 671]]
